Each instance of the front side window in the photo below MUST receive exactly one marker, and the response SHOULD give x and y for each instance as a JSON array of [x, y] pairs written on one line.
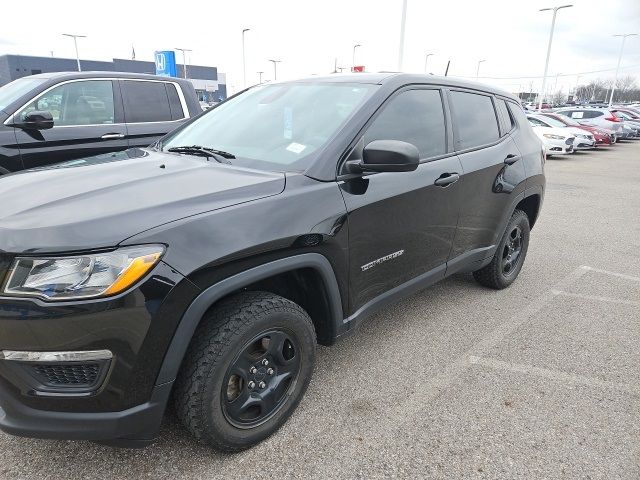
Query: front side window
[[414, 116], [145, 101], [76, 103], [475, 118], [276, 127]]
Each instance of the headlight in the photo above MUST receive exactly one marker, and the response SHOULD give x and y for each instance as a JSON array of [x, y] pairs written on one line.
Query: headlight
[[82, 276], [551, 135]]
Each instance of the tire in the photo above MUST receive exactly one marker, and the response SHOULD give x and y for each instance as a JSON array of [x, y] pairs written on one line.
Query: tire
[[216, 381], [498, 274]]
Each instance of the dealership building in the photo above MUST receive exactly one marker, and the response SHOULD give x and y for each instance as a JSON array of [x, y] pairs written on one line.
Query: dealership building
[[210, 85]]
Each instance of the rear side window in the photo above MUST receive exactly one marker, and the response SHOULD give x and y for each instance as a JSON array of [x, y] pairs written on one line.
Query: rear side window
[[413, 116], [475, 118], [174, 102], [145, 102], [504, 117]]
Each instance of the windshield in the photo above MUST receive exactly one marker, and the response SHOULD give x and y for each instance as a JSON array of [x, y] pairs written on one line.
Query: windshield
[[554, 122], [570, 121], [14, 90], [276, 127]]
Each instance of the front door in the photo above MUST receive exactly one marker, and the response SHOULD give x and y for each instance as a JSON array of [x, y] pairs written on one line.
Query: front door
[[86, 123], [401, 225]]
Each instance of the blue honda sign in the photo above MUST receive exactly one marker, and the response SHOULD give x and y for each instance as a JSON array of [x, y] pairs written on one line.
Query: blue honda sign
[[166, 64]]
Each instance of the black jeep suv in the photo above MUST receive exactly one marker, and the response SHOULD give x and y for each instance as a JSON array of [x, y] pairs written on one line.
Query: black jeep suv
[[205, 268]]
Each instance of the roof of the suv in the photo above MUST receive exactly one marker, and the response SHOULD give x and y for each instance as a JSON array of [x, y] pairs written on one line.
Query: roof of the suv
[[383, 78], [100, 74]]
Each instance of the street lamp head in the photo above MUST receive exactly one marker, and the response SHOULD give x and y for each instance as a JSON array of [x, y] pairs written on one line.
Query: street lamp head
[[245, 30], [72, 35]]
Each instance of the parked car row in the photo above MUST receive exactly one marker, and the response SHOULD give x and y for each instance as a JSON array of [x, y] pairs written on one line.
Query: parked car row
[[568, 129]]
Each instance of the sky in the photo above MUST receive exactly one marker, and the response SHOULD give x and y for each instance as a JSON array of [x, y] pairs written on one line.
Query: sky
[[308, 35]]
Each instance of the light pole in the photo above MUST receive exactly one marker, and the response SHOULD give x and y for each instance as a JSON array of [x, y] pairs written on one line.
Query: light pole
[[260, 77], [275, 68], [244, 63], [353, 57], [555, 85], [426, 59], [75, 43], [615, 80], [403, 23], [478, 69], [546, 64], [184, 59]]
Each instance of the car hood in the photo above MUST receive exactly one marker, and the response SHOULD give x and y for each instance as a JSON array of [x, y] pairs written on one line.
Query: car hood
[[563, 132], [100, 201]]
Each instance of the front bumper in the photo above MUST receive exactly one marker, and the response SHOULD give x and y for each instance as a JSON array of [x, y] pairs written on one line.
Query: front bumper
[[123, 401], [135, 427]]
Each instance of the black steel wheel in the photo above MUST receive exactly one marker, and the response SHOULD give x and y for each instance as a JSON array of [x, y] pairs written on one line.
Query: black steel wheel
[[511, 251], [260, 378], [246, 370], [510, 254]]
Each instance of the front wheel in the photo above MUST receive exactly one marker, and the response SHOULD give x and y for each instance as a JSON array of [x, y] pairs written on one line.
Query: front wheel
[[510, 254], [247, 369]]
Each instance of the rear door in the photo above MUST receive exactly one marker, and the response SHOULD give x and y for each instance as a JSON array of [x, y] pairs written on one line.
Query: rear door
[[401, 225], [493, 173], [151, 109], [87, 115]]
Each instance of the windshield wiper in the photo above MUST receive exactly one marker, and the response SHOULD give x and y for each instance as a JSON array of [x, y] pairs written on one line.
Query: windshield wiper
[[219, 155]]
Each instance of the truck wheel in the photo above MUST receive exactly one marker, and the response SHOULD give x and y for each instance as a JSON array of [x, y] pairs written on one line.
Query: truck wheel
[[248, 367], [509, 257]]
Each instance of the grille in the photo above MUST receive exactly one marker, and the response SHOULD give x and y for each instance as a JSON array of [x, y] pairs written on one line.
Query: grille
[[84, 374]]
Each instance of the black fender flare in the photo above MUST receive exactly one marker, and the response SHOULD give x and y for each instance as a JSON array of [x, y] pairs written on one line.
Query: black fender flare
[[194, 313]]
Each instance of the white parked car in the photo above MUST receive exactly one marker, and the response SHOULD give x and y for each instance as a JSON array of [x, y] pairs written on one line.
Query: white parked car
[[584, 139], [556, 141]]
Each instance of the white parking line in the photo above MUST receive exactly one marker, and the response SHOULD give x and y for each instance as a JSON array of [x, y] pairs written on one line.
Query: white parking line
[[432, 387], [613, 274], [552, 374], [596, 298]]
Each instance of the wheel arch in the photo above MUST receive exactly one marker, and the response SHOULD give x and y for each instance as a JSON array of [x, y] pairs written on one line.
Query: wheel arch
[[530, 205], [276, 275]]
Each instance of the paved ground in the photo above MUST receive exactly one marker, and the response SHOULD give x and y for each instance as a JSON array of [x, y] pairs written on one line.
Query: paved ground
[[538, 381]]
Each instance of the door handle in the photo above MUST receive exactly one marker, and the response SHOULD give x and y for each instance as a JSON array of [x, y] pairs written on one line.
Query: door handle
[[112, 136], [446, 179], [511, 159]]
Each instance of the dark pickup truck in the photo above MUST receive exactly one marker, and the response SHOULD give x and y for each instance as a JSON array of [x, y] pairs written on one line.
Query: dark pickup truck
[[205, 268], [53, 117]]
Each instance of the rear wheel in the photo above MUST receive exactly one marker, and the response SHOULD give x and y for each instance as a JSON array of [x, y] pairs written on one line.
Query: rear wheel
[[509, 257], [246, 371]]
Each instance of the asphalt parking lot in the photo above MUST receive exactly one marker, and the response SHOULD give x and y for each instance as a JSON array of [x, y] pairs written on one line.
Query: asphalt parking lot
[[541, 380]]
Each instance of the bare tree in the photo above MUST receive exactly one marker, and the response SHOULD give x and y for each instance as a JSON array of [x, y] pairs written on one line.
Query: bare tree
[[598, 90]]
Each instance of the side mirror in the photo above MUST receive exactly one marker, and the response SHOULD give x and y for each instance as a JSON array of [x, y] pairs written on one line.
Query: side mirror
[[36, 120], [387, 156]]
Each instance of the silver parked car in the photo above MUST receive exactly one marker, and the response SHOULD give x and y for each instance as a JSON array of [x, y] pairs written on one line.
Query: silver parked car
[[600, 117]]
